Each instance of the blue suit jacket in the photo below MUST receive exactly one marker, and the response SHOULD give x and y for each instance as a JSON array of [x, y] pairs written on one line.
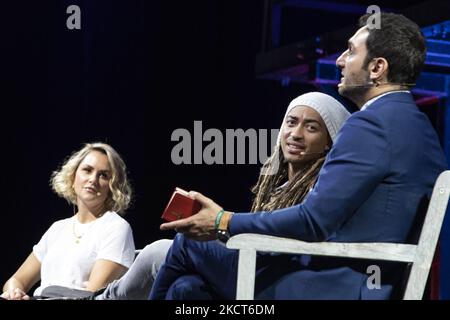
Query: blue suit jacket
[[383, 164]]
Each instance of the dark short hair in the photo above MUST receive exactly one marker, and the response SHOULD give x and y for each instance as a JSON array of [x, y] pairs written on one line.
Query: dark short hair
[[401, 42]]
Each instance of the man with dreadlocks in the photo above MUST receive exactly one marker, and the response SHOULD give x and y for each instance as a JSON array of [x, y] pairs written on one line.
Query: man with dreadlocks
[[309, 128], [372, 186]]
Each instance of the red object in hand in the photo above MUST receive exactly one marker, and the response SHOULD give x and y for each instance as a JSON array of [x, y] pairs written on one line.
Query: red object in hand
[[180, 206]]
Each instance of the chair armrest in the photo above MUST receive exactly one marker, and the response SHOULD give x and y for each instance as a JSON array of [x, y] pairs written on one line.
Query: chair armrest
[[375, 250]]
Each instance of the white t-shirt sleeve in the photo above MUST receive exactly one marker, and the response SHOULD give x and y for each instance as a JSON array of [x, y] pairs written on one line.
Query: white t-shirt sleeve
[[117, 243], [40, 249]]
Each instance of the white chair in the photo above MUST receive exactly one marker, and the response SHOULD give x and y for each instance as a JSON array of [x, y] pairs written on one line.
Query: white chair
[[419, 256]]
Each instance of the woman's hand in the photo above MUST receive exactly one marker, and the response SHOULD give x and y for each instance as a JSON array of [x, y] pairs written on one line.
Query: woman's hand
[[25, 277], [15, 294]]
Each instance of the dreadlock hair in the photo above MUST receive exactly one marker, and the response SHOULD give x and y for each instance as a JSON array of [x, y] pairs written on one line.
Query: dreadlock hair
[[267, 198]]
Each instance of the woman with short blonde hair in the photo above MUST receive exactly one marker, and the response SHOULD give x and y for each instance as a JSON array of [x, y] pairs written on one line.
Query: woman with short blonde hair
[[121, 192], [81, 254]]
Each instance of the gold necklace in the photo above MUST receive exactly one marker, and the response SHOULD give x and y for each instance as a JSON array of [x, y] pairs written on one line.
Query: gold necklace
[[77, 237]]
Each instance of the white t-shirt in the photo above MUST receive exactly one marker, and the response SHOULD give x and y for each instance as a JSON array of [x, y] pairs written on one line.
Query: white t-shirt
[[68, 249]]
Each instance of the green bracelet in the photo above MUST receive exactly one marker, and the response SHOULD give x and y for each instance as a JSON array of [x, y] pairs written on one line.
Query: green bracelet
[[218, 217]]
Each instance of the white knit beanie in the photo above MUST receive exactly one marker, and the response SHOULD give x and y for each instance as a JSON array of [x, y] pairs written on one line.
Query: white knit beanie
[[333, 113]]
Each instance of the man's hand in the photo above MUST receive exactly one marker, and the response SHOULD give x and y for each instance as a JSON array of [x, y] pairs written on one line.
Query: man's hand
[[200, 226]]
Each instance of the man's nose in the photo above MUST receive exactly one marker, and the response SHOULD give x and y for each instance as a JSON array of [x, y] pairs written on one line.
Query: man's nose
[[297, 132], [340, 60]]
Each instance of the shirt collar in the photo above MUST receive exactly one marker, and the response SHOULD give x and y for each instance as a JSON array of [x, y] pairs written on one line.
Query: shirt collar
[[368, 103], [284, 185]]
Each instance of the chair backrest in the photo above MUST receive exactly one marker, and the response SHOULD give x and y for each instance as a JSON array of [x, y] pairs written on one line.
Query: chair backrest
[[419, 256], [429, 237], [136, 253]]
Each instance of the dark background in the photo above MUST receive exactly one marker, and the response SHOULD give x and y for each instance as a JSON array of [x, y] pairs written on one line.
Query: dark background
[[136, 71]]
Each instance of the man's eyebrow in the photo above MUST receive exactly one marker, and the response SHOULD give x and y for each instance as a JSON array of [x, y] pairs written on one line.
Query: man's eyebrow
[[308, 120]]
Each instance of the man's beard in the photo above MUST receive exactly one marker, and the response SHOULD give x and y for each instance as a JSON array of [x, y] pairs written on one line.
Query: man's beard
[[357, 90], [352, 93]]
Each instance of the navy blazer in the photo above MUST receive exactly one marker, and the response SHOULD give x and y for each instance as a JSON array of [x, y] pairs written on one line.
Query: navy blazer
[[382, 166]]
